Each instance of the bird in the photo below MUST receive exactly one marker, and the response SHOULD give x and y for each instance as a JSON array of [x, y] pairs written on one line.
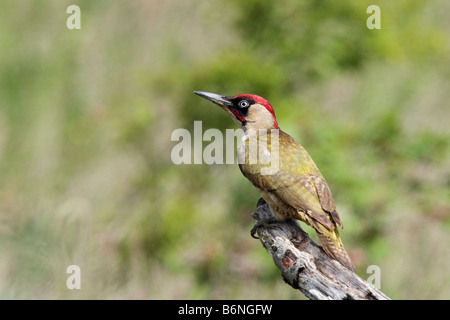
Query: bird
[[295, 189]]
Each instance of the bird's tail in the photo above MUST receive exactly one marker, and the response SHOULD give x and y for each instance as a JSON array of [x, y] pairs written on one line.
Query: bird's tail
[[333, 246]]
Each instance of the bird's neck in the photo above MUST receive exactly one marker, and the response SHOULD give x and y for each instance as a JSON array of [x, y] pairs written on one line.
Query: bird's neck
[[252, 129]]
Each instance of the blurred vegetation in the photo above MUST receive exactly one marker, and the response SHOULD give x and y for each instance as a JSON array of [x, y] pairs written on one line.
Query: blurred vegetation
[[86, 118]]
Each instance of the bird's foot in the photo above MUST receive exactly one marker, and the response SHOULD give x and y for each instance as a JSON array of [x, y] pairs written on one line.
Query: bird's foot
[[259, 224], [253, 231]]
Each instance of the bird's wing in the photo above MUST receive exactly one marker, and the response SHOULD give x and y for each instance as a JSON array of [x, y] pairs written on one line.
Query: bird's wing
[[299, 184], [325, 196], [301, 193]]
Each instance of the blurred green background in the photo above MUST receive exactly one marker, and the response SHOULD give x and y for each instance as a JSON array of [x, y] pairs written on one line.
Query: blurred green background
[[86, 118]]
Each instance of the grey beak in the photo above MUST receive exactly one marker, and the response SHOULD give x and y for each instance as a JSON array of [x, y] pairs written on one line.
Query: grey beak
[[217, 99]]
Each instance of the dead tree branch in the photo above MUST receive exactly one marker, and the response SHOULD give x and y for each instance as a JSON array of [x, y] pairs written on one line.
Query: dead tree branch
[[304, 265]]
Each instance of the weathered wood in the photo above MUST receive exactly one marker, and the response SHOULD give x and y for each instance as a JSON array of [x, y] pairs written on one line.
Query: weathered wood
[[304, 265]]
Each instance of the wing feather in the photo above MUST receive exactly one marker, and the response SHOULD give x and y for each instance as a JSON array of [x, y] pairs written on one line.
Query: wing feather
[[297, 183]]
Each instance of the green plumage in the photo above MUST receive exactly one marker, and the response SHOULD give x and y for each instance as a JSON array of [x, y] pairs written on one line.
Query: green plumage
[[282, 170], [296, 189]]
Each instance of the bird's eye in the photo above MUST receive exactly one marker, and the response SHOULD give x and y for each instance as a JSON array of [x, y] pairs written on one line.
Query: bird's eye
[[244, 104]]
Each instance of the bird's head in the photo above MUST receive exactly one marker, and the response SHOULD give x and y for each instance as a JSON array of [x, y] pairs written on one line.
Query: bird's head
[[248, 110]]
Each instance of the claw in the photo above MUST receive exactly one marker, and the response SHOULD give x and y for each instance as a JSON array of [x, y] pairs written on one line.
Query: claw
[[253, 231], [258, 224]]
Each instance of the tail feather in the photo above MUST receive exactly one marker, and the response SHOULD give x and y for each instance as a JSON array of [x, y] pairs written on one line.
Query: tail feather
[[333, 246]]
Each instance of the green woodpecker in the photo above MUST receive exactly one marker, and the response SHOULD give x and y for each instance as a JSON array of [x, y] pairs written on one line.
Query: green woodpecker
[[296, 188]]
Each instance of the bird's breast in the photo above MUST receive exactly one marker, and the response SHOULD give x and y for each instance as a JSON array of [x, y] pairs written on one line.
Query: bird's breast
[[254, 150]]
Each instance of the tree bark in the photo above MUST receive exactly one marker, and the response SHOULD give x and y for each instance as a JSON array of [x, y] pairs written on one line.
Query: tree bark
[[304, 265]]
